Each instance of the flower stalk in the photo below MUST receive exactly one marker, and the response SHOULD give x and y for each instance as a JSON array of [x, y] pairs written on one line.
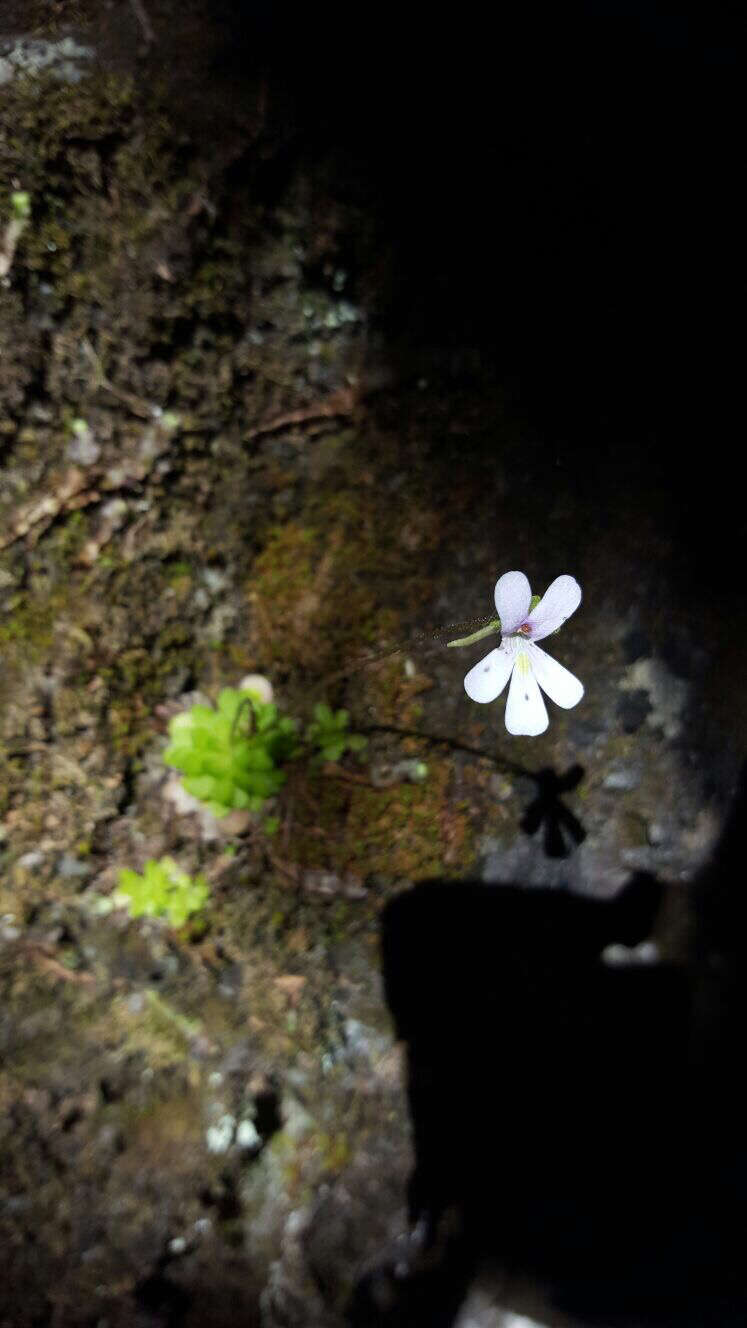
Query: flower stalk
[[493, 626]]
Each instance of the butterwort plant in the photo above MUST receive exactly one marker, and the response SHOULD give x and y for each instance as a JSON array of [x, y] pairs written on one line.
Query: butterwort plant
[[231, 755], [163, 891], [523, 620], [328, 732]]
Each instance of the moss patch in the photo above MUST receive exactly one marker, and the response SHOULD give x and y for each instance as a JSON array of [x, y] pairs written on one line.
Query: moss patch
[[408, 830]]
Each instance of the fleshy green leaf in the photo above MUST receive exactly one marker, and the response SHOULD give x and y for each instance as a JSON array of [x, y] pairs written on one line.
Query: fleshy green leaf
[[202, 712], [200, 786], [266, 715], [181, 724], [257, 758], [163, 890], [229, 702], [176, 754], [228, 763]]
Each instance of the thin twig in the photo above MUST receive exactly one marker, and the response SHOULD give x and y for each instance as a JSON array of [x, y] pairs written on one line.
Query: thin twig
[[143, 409], [510, 767], [141, 14], [290, 870], [45, 510], [342, 402], [333, 771], [43, 956]]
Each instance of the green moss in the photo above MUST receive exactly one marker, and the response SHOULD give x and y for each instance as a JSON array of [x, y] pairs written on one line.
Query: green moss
[[165, 1014], [138, 676], [30, 626], [178, 572], [281, 587], [72, 536], [407, 830], [311, 586]]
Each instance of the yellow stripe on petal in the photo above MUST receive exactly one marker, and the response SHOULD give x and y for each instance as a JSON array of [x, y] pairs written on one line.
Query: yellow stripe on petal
[[522, 665], [525, 710]]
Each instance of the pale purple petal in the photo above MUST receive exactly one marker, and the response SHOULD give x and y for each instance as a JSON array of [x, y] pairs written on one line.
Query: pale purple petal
[[559, 683], [512, 599], [487, 679], [559, 601], [525, 710]]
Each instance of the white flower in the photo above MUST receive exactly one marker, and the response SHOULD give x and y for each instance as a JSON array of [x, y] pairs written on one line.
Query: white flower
[[518, 658], [259, 684]]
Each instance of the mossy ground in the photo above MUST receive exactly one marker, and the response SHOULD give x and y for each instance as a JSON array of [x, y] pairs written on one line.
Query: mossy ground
[[229, 551]]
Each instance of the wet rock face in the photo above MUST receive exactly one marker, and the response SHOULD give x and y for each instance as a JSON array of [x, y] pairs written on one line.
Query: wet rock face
[[278, 394], [65, 60]]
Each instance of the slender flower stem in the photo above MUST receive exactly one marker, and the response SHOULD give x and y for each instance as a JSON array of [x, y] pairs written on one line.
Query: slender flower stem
[[493, 626]]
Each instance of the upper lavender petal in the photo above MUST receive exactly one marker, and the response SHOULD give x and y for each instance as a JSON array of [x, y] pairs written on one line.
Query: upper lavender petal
[[512, 599], [559, 601]]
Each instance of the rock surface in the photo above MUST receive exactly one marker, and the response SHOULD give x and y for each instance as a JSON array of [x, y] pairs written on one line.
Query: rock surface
[[211, 1126]]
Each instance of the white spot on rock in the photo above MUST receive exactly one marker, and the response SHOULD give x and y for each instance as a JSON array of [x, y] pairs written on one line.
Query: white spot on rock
[[667, 694], [219, 1137], [623, 956], [247, 1135]]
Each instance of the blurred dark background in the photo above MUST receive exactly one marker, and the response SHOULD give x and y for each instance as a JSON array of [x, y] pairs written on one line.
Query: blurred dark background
[[560, 181], [555, 188], [575, 1119], [552, 196]]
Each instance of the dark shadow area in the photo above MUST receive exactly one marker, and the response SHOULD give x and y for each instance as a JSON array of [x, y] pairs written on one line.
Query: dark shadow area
[[578, 1122], [556, 182], [562, 830], [547, 203]]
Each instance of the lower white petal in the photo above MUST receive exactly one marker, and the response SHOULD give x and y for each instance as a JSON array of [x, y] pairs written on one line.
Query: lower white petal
[[525, 710], [487, 679], [561, 685]]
